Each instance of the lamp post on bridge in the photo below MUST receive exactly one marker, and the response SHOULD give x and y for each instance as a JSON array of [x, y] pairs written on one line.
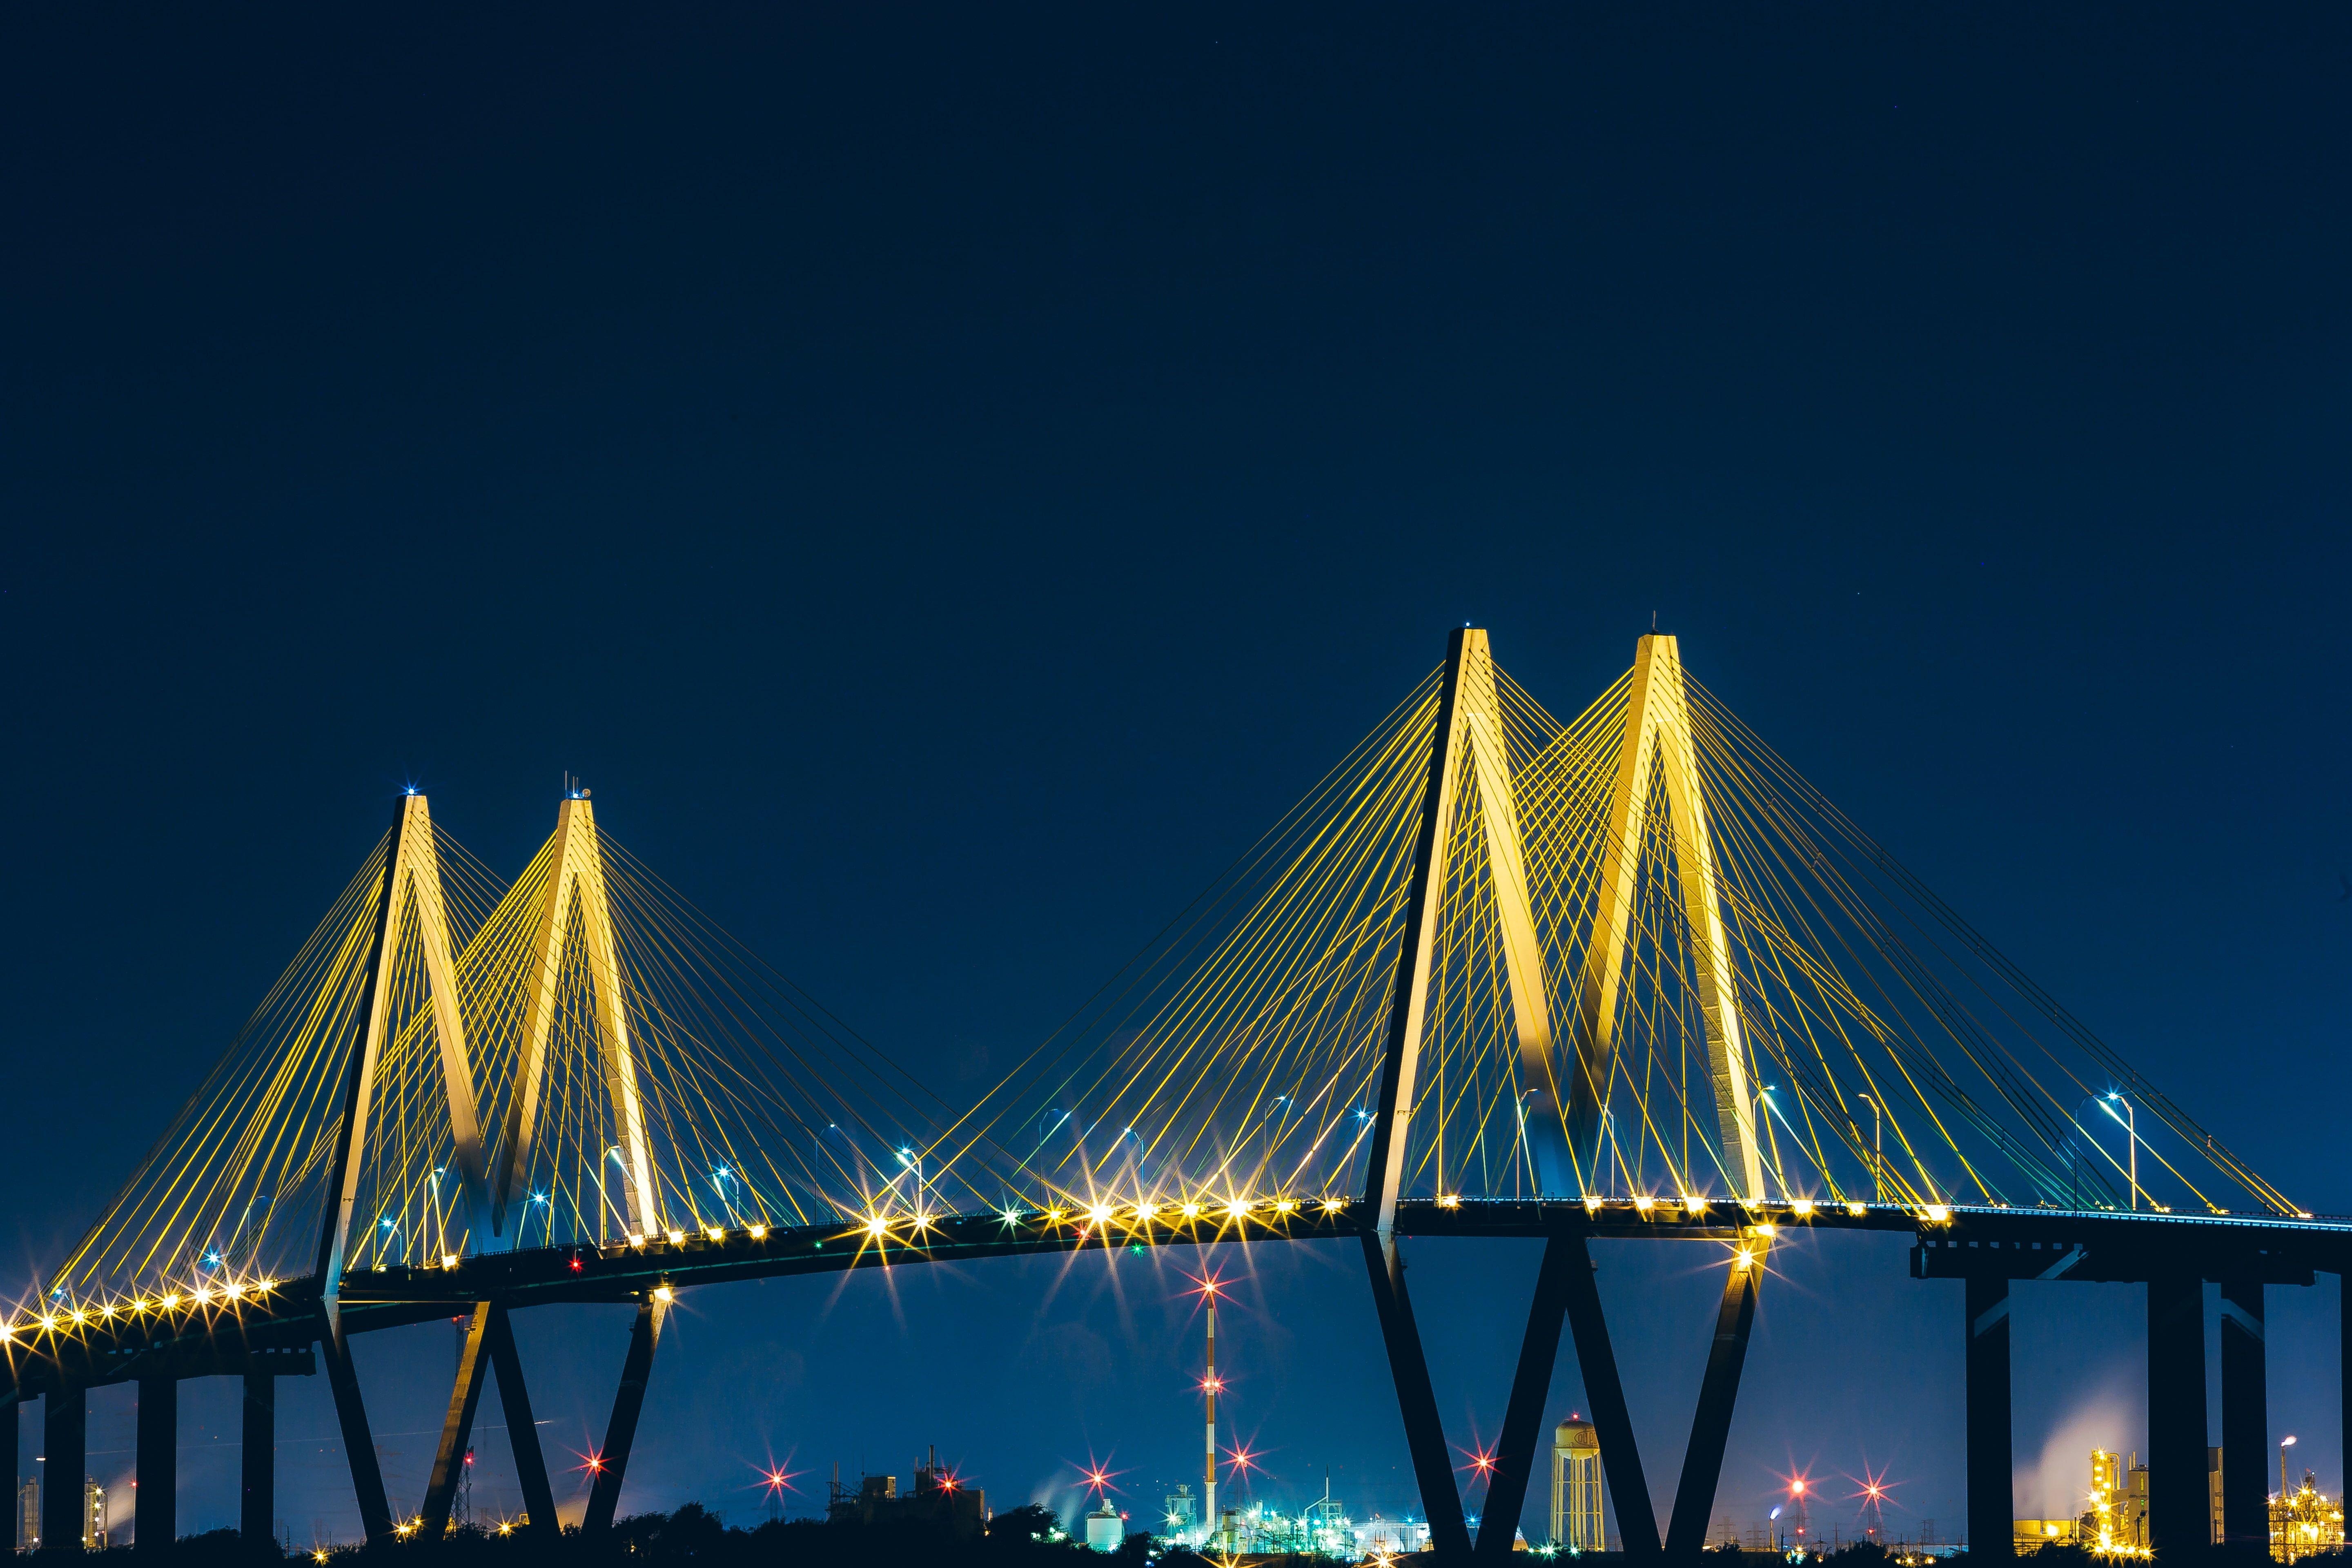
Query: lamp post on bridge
[[1877, 1149], [2130, 1120]]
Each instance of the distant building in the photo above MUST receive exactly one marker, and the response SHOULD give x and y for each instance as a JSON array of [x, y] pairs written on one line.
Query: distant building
[[1181, 1512], [1576, 1517], [28, 1515], [939, 1501], [93, 1516], [1106, 1531]]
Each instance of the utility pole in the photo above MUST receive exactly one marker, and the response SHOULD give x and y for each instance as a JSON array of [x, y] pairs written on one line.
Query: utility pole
[[1209, 1385]]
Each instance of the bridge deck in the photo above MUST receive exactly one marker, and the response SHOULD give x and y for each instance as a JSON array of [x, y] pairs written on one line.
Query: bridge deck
[[274, 1323]]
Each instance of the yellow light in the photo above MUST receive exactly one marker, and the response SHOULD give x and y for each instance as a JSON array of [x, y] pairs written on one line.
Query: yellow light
[[677, 1238], [1591, 1204], [714, 1233], [1745, 1259], [1938, 1214], [107, 1311], [1692, 1203], [755, 1232], [171, 1301], [235, 1292], [266, 1285], [636, 1241], [1055, 1214], [662, 1293], [318, 1557], [1284, 1205], [1857, 1210], [1449, 1200], [1237, 1208], [1145, 1211], [1099, 1214], [1192, 1210], [205, 1297], [1763, 1230], [79, 1316], [1645, 1202], [142, 1305], [877, 1225], [1803, 1207], [449, 1261], [1333, 1205]]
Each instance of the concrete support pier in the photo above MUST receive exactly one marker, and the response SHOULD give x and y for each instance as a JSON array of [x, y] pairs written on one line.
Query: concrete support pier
[[1991, 1510]]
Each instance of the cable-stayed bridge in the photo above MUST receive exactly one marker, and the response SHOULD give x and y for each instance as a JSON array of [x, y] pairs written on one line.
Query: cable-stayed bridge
[[1625, 974]]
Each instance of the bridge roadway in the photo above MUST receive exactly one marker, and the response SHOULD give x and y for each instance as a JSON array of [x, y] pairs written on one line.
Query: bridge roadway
[[261, 1333], [113, 1342]]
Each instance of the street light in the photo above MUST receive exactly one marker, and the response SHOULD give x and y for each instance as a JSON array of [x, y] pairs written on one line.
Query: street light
[[2130, 1120], [1877, 1149]]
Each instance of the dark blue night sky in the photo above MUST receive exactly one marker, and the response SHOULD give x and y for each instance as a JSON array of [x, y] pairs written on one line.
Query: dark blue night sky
[[949, 479]]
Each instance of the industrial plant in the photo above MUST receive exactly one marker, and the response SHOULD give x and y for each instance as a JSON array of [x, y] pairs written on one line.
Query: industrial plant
[[2304, 1521]]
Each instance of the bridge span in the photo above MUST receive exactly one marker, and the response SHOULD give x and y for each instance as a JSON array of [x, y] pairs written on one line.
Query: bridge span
[[1626, 977]]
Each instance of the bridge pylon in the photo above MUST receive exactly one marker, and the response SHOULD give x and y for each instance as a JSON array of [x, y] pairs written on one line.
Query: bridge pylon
[[575, 901], [409, 885], [1657, 746], [1466, 754]]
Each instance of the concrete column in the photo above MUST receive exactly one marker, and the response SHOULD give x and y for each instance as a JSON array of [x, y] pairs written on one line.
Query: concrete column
[[1991, 1512], [155, 1508], [621, 1431], [2245, 1416], [1718, 1390], [12, 1460], [2179, 1498], [257, 1507], [65, 1427], [1620, 1460]]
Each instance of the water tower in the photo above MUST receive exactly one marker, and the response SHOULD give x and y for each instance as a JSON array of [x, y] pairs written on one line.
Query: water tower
[[1576, 1487]]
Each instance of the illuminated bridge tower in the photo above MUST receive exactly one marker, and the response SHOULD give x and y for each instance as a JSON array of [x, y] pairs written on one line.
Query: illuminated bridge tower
[[1469, 763]]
